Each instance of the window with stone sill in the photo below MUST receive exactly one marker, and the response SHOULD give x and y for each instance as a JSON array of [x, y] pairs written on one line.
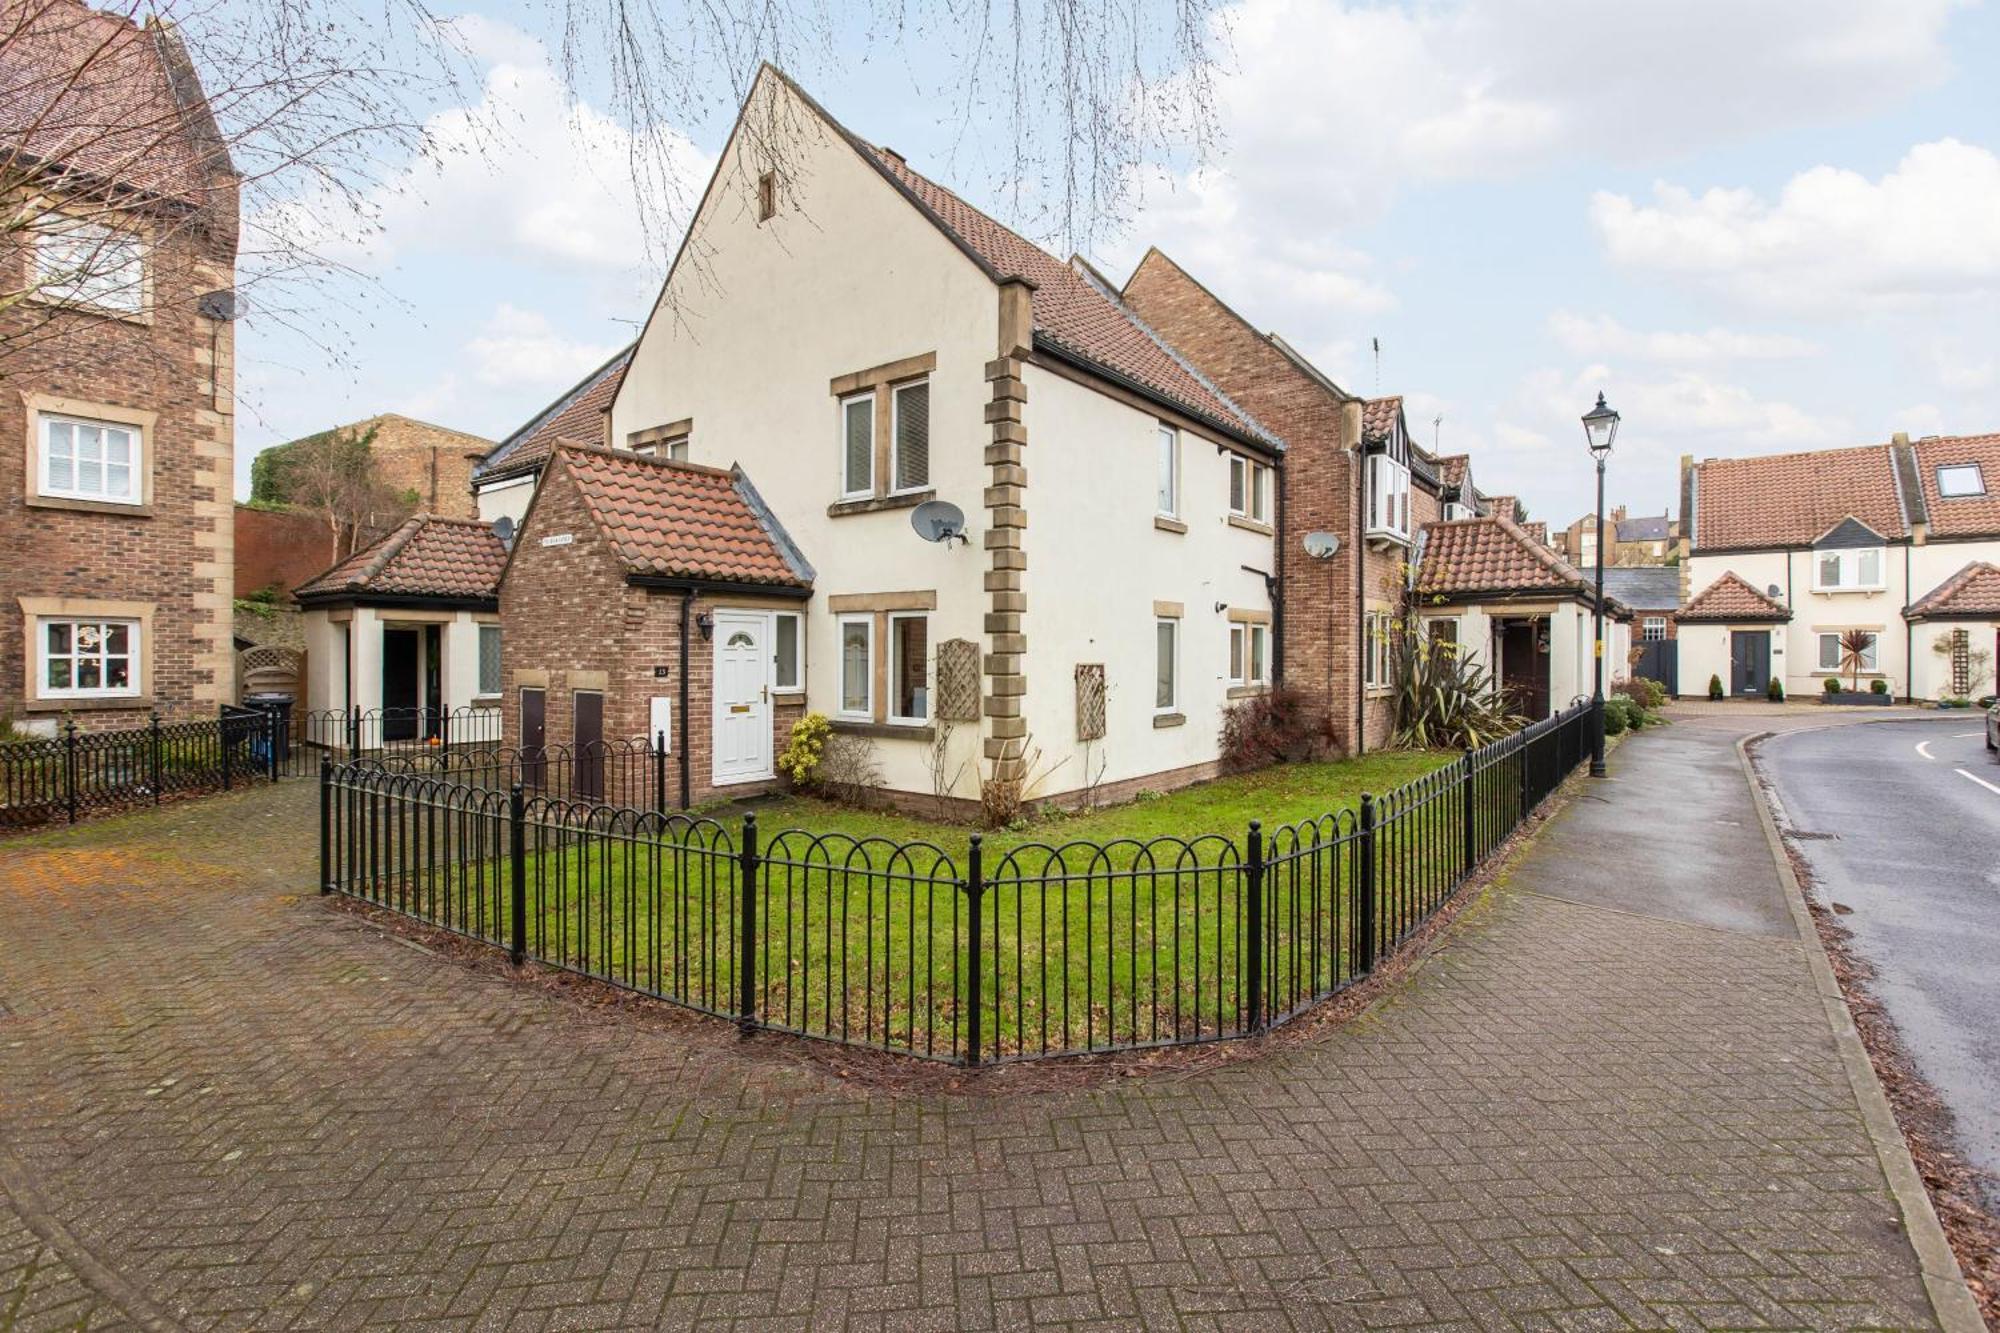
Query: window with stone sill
[[1249, 489], [90, 460], [87, 658], [1848, 570], [89, 264]]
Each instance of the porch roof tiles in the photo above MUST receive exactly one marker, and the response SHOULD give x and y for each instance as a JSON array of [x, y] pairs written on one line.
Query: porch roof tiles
[[1973, 591], [683, 521], [1489, 555], [1730, 599], [425, 556]]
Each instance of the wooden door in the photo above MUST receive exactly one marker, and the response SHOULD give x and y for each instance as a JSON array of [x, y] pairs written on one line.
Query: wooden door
[[534, 737], [587, 730]]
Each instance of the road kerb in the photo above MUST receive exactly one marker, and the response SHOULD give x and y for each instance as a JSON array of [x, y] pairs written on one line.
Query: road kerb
[[1944, 1283]]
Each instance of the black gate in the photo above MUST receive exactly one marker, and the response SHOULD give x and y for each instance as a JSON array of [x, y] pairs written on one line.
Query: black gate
[[1660, 659]]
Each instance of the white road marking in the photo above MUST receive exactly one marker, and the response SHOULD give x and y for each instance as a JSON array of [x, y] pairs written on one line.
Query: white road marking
[[1981, 781], [1924, 749], [1961, 735]]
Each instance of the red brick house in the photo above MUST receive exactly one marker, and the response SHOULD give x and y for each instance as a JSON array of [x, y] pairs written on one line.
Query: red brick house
[[117, 441], [1350, 469], [646, 596]]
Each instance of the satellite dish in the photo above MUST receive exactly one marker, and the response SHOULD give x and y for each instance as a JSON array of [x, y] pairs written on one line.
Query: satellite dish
[[1322, 545], [939, 521], [1773, 591], [503, 528]]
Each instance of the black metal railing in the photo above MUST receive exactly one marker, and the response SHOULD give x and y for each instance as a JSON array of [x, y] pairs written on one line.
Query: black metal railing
[[352, 732], [75, 773], [1043, 950], [631, 774]]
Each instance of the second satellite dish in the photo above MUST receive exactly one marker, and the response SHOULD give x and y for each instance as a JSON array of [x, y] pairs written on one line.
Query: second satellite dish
[[939, 521], [1322, 545]]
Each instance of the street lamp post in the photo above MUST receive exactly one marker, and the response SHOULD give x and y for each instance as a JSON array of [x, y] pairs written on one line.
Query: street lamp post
[[1600, 428]]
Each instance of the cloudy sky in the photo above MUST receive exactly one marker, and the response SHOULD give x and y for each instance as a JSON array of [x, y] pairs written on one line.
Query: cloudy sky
[[1757, 228]]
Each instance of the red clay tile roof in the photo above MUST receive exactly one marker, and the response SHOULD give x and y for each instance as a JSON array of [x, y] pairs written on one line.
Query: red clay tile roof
[[1492, 554], [1451, 467], [1506, 506], [575, 418], [1960, 516], [1794, 499], [1972, 591], [91, 93], [1538, 530], [678, 520], [426, 556], [1379, 416], [1073, 309], [1729, 598]]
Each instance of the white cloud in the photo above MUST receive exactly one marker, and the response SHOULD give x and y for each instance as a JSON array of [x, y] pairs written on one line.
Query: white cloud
[[1601, 336], [521, 346], [1833, 240], [1961, 370]]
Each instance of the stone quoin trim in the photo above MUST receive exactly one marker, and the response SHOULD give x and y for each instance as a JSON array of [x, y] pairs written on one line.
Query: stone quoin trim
[[1006, 526]]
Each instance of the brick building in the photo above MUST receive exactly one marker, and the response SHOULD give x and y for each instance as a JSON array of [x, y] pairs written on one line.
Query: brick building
[[116, 434], [631, 583], [1349, 469]]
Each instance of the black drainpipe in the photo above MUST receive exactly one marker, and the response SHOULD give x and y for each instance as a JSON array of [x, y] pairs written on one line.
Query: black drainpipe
[[687, 608], [1909, 638], [1278, 586], [1361, 601]]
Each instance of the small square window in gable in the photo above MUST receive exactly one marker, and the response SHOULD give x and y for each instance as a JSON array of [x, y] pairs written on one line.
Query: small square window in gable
[[767, 196]]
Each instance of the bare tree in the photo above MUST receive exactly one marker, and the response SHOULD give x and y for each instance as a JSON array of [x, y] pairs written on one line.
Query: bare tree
[[333, 475]]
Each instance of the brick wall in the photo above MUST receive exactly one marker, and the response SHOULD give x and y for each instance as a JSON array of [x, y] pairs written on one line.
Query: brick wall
[[178, 558], [570, 621], [279, 548], [1320, 430], [432, 462]]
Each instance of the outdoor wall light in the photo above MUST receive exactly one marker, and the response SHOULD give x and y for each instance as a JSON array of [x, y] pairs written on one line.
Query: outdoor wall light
[[706, 624]]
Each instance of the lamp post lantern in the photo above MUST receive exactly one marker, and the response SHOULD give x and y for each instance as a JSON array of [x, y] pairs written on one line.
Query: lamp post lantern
[[1600, 428]]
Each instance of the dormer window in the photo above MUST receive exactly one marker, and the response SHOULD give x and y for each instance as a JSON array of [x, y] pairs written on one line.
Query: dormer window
[[1388, 497], [1857, 570], [1958, 481]]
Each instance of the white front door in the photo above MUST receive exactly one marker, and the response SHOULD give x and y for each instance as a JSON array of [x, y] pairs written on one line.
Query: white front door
[[742, 731]]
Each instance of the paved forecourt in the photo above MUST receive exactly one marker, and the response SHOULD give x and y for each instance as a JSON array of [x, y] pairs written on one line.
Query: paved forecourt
[[224, 1106]]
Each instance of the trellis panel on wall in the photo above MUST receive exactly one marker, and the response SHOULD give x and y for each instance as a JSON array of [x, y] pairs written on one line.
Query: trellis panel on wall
[[958, 681], [1090, 701]]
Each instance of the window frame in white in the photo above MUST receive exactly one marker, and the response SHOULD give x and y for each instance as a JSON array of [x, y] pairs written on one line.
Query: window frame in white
[[798, 663], [1978, 490], [1871, 661], [1845, 557], [866, 713], [133, 656], [1172, 663], [68, 231], [1167, 471], [1375, 652], [896, 392], [1249, 654], [894, 717], [1647, 624], [1254, 488], [1388, 497], [485, 628], [847, 490], [135, 464]]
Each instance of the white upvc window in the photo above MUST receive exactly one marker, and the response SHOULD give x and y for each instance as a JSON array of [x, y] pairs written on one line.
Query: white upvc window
[[857, 445], [857, 666], [1832, 657], [89, 264], [787, 652], [1960, 480], [1249, 653], [1858, 569], [1166, 665], [1249, 489], [1653, 629], [910, 440], [489, 659], [674, 449], [909, 668], [90, 460], [1168, 501], [1388, 496], [87, 658], [1375, 651]]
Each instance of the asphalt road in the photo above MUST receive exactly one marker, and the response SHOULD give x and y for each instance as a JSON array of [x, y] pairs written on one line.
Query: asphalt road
[[1901, 822]]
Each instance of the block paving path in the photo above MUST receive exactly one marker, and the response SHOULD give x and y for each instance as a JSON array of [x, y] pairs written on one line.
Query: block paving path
[[223, 1106]]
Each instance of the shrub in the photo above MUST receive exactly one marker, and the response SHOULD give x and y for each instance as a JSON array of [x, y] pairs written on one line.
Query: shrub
[[807, 748], [1878, 686], [1647, 694], [1775, 691], [848, 772], [1445, 700], [1278, 726], [1621, 714], [1715, 687], [1656, 693], [1831, 685]]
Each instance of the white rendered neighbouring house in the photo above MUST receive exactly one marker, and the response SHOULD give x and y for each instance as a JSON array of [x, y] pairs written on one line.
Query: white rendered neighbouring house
[[856, 340], [1785, 555]]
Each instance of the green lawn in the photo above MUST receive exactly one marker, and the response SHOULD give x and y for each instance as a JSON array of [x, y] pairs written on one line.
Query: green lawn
[[1092, 933]]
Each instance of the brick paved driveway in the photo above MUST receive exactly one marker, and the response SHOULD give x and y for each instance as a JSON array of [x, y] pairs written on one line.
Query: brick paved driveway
[[232, 1108]]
